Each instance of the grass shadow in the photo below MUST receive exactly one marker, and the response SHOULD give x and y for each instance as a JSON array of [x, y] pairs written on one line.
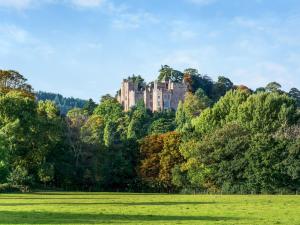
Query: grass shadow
[[20, 217], [106, 203]]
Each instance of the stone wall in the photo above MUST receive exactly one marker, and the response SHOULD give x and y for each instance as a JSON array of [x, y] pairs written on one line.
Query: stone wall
[[156, 96]]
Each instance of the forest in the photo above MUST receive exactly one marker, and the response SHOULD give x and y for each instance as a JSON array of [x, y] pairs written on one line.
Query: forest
[[223, 138], [64, 104]]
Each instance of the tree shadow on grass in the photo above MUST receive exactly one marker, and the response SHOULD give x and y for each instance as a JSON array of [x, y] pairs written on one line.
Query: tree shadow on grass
[[97, 193], [107, 203], [50, 198], [15, 217]]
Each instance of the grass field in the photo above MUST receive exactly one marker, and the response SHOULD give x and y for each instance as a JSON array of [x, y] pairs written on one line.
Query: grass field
[[112, 208]]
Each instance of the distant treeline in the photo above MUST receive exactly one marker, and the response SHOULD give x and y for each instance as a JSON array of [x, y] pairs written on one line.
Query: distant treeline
[[223, 138], [64, 104]]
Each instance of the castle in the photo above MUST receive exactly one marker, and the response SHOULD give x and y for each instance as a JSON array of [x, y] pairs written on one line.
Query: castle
[[157, 96]]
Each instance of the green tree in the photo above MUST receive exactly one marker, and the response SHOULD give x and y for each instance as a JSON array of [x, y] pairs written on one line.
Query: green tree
[[139, 123], [295, 93], [109, 133], [162, 125], [150, 149], [170, 157], [12, 80], [221, 87], [90, 106], [168, 73], [273, 87], [109, 109]]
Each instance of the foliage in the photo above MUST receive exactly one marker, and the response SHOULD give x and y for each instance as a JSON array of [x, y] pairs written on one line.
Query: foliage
[[12, 80], [222, 138], [168, 73], [64, 104]]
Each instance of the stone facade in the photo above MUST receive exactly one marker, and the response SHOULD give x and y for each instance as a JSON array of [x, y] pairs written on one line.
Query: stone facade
[[157, 96]]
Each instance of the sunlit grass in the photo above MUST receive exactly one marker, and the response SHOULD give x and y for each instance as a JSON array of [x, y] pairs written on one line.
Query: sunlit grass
[[112, 208]]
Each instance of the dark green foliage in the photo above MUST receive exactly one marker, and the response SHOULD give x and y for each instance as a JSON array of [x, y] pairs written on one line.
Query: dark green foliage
[[221, 138], [12, 80], [273, 87], [137, 80], [168, 73], [90, 106], [295, 93], [64, 104], [161, 126], [221, 87]]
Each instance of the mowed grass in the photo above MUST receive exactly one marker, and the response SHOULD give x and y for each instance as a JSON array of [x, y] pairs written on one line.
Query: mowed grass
[[114, 208]]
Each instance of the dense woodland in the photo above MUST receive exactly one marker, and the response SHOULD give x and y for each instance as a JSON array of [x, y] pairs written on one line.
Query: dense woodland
[[64, 104], [223, 138]]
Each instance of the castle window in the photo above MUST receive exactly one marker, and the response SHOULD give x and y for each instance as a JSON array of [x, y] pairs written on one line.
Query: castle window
[[167, 104]]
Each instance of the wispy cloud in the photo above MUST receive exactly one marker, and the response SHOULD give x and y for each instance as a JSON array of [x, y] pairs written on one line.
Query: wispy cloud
[[133, 20], [202, 2], [260, 74], [15, 39], [27, 4], [87, 3], [180, 30], [16, 4]]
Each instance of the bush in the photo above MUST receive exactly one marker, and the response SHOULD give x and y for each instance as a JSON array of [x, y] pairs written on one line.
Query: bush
[[9, 188]]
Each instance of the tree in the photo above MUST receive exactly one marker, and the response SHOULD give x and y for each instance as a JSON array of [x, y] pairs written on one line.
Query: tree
[[168, 73], [221, 87], [109, 133], [109, 109], [225, 110], [260, 89], [90, 106], [19, 176], [139, 123], [292, 164], [221, 155], [76, 118], [273, 87], [150, 149], [196, 81], [161, 126], [138, 81], [12, 80], [295, 93], [170, 157], [267, 112], [192, 107]]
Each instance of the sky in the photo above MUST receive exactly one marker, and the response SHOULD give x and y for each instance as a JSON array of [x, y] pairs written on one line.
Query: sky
[[84, 48]]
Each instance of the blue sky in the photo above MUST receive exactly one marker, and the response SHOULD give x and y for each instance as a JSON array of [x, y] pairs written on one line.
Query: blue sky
[[83, 48]]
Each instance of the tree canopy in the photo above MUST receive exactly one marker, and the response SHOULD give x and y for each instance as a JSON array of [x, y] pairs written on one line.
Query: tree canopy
[[222, 138]]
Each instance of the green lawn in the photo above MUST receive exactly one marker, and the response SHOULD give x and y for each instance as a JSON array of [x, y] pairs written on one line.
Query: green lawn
[[112, 208]]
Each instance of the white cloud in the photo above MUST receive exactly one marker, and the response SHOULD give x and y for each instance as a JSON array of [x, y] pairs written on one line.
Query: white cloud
[[14, 39], [260, 74], [87, 3], [202, 2], [181, 30], [16, 4], [133, 20], [14, 33], [25, 4]]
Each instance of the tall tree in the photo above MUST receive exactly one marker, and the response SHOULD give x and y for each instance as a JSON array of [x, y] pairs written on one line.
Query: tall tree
[[168, 73], [12, 80]]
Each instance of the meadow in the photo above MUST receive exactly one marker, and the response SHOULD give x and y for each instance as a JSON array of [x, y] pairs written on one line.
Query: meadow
[[124, 208]]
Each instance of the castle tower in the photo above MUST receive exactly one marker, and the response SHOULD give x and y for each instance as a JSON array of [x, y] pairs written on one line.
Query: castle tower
[[157, 96], [129, 94]]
